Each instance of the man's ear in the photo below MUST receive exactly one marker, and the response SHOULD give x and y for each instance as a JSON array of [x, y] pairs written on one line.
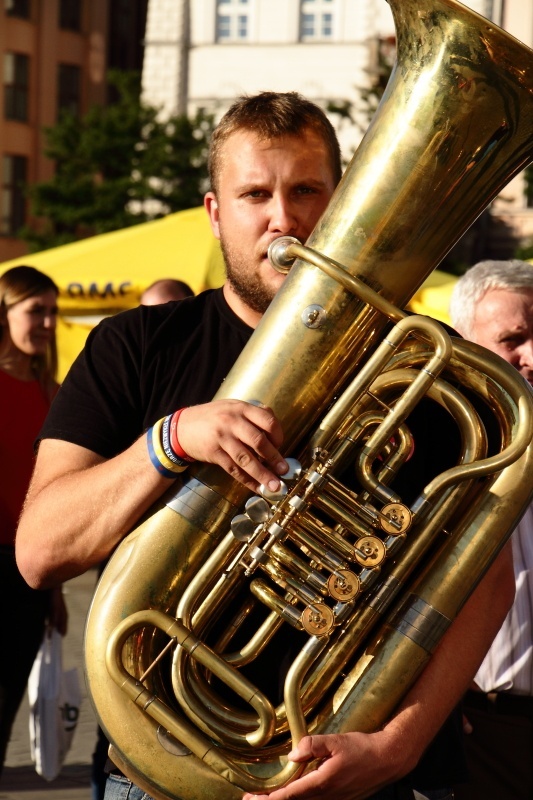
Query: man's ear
[[211, 206]]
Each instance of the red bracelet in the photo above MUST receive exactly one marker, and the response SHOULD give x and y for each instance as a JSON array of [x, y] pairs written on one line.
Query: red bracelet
[[174, 443]]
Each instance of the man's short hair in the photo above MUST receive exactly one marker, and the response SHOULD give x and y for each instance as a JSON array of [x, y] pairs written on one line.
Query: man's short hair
[[271, 115], [512, 275]]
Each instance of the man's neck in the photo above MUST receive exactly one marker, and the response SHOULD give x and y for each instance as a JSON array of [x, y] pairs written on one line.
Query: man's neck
[[240, 308]]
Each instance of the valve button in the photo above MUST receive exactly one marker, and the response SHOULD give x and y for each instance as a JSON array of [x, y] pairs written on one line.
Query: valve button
[[294, 471], [369, 551], [317, 619], [271, 496], [257, 509], [399, 516], [242, 527], [343, 585]]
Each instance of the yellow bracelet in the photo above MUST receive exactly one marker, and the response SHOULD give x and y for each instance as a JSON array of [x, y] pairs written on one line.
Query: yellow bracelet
[[160, 453]]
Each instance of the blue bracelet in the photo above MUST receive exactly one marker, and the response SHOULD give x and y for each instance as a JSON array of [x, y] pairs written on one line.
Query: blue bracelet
[[166, 473]]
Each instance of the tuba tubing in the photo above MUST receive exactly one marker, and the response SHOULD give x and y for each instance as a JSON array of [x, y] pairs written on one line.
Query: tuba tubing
[[454, 126]]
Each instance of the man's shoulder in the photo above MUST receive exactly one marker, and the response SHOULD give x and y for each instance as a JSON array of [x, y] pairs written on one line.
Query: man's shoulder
[[142, 321]]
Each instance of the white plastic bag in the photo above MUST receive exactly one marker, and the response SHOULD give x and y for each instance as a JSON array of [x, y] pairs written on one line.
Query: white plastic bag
[[55, 697]]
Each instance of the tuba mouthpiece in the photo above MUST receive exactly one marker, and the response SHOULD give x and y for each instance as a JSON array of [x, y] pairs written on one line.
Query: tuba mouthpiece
[[279, 253]]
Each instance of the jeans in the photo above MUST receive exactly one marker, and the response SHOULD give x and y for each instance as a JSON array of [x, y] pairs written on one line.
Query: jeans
[[120, 788], [99, 764], [23, 625]]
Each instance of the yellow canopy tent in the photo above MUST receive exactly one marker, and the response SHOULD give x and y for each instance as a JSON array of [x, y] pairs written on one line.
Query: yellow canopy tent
[[433, 297], [108, 273]]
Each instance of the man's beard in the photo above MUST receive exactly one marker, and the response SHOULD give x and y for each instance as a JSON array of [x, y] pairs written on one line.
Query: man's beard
[[249, 287]]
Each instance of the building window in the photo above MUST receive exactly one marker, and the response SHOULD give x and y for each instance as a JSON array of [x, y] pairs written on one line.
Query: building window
[[16, 86], [316, 20], [70, 15], [69, 88], [13, 200], [233, 20], [17, 8]]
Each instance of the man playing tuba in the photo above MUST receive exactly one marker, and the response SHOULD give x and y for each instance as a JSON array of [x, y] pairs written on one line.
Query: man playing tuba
[[274, 164]]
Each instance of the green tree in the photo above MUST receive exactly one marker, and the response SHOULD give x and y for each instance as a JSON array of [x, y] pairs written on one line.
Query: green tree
[[117, 166]]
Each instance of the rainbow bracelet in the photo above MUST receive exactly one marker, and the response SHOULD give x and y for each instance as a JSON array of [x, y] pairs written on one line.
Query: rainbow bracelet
[[172, 466]]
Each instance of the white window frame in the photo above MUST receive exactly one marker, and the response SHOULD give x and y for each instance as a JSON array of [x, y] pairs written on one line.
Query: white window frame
[[320, 13], [236, 13]]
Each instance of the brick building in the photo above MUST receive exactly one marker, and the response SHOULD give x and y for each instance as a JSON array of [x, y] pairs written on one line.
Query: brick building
[[54, 55], [197, 53]]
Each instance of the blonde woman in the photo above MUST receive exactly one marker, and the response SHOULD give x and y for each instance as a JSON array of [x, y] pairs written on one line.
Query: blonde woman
[[28, 363]]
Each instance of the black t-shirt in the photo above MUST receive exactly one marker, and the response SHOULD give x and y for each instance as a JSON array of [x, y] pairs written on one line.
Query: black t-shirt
[[145, 363]]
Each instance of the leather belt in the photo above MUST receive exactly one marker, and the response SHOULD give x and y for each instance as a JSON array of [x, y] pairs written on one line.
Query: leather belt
[[516, 705]]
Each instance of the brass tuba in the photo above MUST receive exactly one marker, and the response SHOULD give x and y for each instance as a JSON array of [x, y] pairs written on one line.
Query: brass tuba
[[364, 581]]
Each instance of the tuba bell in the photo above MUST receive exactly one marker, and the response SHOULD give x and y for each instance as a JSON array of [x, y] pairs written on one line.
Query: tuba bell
[[363, 579]]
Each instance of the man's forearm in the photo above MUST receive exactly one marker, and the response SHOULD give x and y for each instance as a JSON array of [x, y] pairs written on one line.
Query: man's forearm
[[74, 516]]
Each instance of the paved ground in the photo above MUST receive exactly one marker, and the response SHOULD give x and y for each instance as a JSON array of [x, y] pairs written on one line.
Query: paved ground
[[20, 781]]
